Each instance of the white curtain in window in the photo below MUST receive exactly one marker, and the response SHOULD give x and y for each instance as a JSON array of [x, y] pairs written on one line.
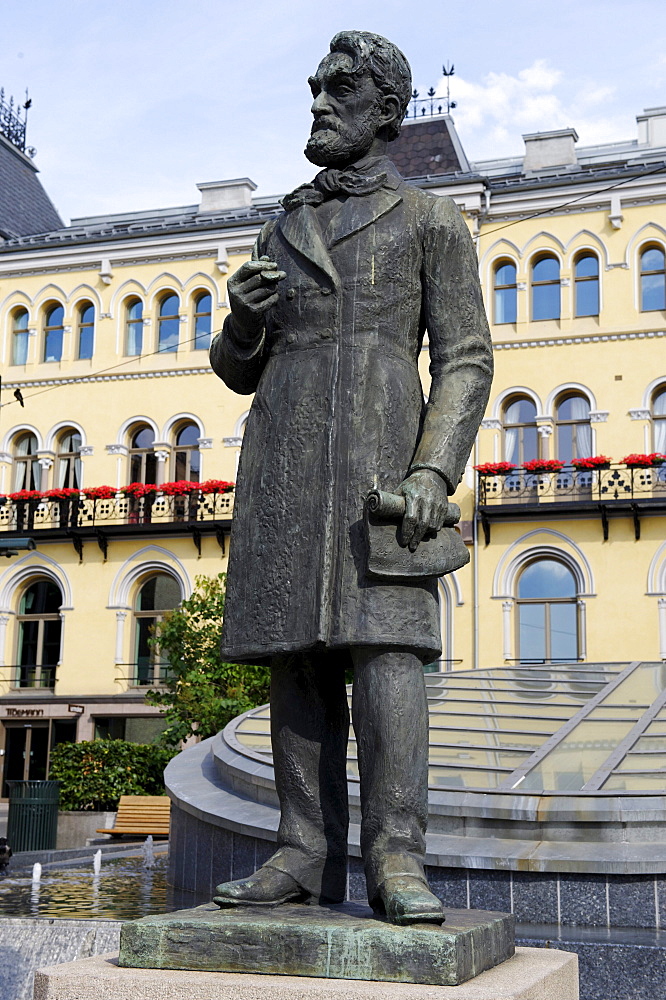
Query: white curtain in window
[[580, 410], [659, 410]]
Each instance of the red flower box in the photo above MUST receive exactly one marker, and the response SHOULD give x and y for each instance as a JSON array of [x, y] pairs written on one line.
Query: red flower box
[[495, 468], [638, 461], [26, 495], [63, 493], [180, 488], [593, 462], [217, 486], [543, 465], [138, 490], [100, 492]]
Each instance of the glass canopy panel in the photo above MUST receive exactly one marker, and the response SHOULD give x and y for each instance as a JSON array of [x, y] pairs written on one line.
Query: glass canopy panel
[[463, 778], [573, 763]]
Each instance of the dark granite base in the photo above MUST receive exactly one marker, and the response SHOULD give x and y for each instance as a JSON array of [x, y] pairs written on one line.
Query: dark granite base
[[613, 964], [335, 942]]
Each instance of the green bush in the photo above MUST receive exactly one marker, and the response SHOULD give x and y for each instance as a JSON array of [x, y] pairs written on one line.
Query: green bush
[[93, 775]]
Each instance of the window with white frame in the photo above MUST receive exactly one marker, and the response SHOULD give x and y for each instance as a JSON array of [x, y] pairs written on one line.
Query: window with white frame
[[54, 317], [586, 285], [505, 292], [547, 613], [20, 337], [573, 428], [653, 279], [546, 288], [39, 634], [157, 595]]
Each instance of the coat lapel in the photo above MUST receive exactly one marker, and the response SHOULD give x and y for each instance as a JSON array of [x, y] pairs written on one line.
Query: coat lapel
[[357, 213], [301, 229]]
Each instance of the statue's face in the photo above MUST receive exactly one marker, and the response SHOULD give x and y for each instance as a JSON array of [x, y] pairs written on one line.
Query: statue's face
[[347, 113]]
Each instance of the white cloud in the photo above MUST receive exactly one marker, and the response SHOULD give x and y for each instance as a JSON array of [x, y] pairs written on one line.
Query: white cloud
[[493, 114]]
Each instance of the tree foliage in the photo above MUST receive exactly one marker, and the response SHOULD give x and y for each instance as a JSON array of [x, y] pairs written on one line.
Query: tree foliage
[[203, 693], [93, 775]]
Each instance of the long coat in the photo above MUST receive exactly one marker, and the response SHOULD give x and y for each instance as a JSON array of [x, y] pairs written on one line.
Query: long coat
[[338, 409]]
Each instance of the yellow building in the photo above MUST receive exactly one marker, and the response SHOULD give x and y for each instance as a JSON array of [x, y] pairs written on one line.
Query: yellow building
[[104, 328]]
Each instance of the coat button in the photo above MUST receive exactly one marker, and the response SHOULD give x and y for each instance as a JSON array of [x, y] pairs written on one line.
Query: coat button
[[291, 338], [326, 291], [291, 293]]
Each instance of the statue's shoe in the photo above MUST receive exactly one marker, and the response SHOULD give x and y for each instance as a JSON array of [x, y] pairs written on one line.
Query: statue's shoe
[[267, 887], [406, 899]]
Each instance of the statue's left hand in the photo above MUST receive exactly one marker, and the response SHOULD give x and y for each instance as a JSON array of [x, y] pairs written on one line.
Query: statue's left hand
[[426, 502]]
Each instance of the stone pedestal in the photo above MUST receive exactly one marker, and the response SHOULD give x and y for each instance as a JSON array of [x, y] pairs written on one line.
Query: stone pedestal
[[335, 942], [532, 974]]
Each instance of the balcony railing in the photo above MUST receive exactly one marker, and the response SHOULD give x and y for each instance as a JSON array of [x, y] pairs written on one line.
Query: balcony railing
[[616, 482], [605, 492], [145, 673], [85, 512], [22, 676]]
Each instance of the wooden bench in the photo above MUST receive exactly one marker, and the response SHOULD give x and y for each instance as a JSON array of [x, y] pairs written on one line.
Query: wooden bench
[[140, 815]]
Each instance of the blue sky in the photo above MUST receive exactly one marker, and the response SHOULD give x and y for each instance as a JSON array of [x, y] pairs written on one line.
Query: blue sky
[[135, 102]]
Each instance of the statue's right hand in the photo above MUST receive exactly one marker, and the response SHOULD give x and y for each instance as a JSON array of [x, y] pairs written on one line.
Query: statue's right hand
[[252, 291]]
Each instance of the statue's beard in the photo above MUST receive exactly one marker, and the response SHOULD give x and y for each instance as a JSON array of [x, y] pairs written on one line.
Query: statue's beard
[[332, 144]]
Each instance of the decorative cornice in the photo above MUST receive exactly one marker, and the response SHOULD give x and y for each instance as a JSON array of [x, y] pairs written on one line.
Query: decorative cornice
[[86, 449], [117, 449], [640, 414], [170, 373], [596, 339], [205, 442], [491, 424], [598, 416], [232, 442]]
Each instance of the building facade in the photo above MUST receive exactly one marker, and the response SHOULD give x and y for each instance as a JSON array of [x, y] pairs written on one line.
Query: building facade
[[105, 326]]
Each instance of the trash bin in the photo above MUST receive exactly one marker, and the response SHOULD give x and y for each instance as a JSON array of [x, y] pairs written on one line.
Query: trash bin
[[32, 824]]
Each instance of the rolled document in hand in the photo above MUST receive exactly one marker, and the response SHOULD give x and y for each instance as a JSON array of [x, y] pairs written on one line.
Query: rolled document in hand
[[391, 505]]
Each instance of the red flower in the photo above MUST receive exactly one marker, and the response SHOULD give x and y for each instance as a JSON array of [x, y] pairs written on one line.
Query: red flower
[[100, 492], [180, 488], [495, 468], [543, 465], [594, 462], [639, 461], [139, 490], [62, 493], [26, 495], [217, 486]]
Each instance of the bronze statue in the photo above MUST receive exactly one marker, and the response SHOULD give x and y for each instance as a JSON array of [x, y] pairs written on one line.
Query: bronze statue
[[327, 322]]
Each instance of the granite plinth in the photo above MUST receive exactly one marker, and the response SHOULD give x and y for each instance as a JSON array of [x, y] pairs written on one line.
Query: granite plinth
[[532, 974], [333, 942]]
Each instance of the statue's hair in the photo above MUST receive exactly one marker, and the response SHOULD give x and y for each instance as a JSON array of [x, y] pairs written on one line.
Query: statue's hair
[[385, 63]]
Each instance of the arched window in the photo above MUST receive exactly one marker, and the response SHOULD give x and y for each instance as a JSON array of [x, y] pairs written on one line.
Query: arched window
[[169, 321], [546, 288], [506, 293], [53, 333], [20, 337], [521, 441], [653, 279], [68, 469], [202, 318], [86, 331], [157, 595], [659, 420], [142, 458], [186, 461], [27, 470], [133, 327], [547, 613], [586, 279], [39, 632], [574, 432]]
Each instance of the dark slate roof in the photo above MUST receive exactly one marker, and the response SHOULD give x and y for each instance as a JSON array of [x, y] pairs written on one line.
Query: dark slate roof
[[428, 147], [25, 207]]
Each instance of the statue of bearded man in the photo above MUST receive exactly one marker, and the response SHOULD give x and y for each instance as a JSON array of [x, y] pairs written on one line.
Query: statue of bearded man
[[326, 326]]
